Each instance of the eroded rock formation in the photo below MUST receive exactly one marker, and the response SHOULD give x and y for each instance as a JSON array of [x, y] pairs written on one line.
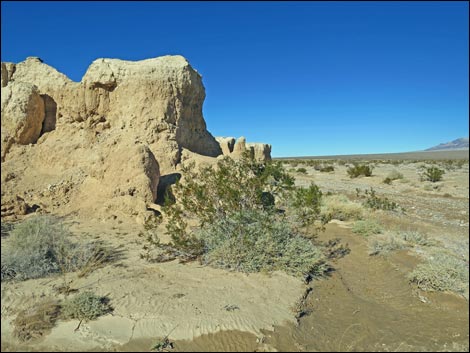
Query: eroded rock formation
[[99, 146], [236, 148]]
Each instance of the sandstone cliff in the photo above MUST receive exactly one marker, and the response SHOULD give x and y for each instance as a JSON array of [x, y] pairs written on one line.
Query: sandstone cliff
[[98, 147]]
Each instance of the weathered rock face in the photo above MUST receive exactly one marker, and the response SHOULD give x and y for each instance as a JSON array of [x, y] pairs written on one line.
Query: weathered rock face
[[22, 115], [157, 101], [226, 144], [7, 72], [260, 151], [101, 140], [97, 147]]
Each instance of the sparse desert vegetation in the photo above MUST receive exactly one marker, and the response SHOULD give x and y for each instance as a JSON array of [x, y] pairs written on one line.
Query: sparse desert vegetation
[[280, 221]]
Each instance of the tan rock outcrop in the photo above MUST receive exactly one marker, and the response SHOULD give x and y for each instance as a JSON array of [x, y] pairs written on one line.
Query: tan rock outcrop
[[103, 138], [159, 101], [239, 148], [262, 151], [7, 72], [226, 144], [22, 115], [98, 147], [12, 207]]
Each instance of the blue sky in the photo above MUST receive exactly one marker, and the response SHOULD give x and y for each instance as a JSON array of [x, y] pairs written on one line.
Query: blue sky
[[311, 78]]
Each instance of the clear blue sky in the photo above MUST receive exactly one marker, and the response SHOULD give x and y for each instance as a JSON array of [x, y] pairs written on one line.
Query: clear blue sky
[[311, 78]]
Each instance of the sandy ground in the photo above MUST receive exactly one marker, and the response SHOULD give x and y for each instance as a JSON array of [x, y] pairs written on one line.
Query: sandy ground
[[154, 300], [366, 304]]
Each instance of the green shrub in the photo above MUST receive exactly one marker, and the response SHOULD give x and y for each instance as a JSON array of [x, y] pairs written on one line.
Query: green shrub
[[433, 174], [387, 181], [230, 187], [85, 306], [306, 204], [41, 246], [367, 227], [302, 170], [254, 241], [382, 245], [327, 169], [214, 193], [360, 169], [441, 272], [416, 238], [371, 200], [237, 223]]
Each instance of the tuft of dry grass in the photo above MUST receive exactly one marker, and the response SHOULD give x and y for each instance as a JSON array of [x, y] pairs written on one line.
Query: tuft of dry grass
[[37, 321], [341, 208], [367, 227], [385, 243]]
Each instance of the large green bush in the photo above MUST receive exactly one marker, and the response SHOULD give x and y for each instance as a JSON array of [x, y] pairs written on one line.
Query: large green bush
[[246, 216]]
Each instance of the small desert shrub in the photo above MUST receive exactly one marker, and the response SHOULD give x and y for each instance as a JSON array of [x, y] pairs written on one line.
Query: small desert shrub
[[367, 227], [371, 200], [441, 272], [416, 238], [41, 246], [432, 174], [85, 306], [302, 170], [327, 169], [254, 241], [341, 208], [395, 175], [387, 181], [306, 204], [35, 322], [360, 169], [382, 245]]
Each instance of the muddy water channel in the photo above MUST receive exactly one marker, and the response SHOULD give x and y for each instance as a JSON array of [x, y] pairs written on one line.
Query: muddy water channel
[[366, 305]]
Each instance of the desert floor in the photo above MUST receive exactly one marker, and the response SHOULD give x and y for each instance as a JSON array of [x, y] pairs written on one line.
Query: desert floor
[[366, 304]]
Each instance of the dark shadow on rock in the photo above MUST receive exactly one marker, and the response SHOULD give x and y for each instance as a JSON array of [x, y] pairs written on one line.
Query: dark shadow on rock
[[50, 110], [163, 184], [33, 208]]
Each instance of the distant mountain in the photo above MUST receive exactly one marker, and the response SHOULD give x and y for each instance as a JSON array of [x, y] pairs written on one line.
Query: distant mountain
[[461, 143]]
